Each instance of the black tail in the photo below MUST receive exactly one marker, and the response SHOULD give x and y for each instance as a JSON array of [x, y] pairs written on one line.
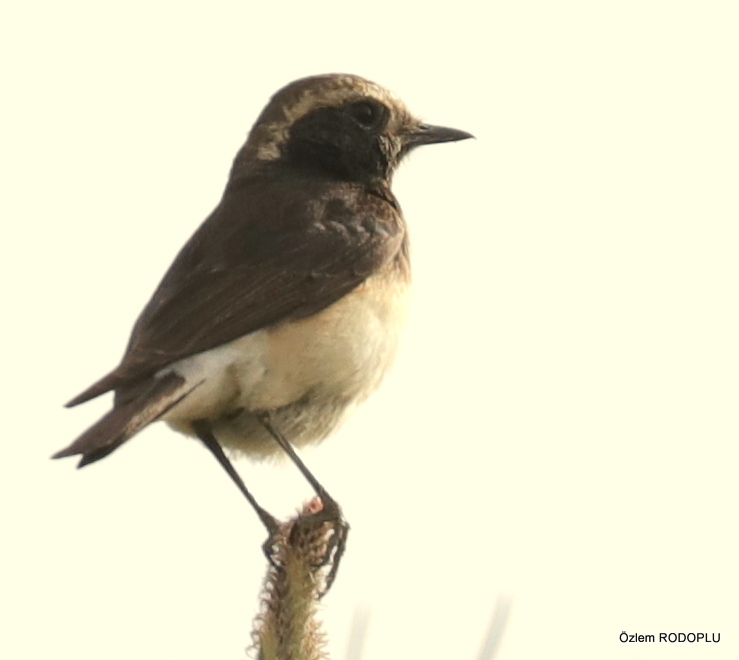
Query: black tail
[[128, 418]]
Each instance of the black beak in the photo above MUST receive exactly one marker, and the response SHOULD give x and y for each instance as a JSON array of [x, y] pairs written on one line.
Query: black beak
[[429, 134]]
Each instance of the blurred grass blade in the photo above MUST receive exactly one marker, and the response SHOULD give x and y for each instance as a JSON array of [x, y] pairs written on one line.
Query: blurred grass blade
[[358, 633], [496, 628]]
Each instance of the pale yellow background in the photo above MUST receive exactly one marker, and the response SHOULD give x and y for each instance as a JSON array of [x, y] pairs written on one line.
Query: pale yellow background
[[562, 423]]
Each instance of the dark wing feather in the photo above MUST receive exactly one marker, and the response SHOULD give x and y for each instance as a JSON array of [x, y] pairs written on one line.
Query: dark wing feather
[[273, 250]]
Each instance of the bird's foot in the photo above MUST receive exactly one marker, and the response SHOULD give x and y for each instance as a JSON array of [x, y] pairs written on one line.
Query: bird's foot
[[315, 539], [275, 539], [322, 526]]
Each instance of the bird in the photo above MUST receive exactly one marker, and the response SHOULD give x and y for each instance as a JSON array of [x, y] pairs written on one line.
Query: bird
[[282, 311]]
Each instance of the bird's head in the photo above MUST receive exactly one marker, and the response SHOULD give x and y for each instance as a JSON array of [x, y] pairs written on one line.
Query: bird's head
[[341, 125]]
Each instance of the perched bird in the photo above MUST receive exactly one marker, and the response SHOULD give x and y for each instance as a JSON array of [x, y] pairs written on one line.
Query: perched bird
[[283, 309]]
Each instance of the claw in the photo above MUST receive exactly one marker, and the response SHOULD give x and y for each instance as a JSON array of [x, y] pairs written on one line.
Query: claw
[[337, 545], [335, 539]]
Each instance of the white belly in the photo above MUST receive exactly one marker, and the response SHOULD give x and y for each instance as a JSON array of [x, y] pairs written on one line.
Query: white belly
[[308, 371]]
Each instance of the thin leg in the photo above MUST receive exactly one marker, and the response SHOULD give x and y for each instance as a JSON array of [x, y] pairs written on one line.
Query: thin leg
[[203, 430], [330, 513], [266, 421]]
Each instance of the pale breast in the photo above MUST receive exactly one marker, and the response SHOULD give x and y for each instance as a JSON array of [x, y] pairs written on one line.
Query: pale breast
[[343, 351], [333, 358]]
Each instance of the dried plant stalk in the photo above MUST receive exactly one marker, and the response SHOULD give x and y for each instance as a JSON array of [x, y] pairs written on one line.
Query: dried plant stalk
[[286, 627]]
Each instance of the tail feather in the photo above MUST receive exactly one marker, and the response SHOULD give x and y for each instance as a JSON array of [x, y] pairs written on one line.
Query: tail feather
[[128, 418], [109, 382]]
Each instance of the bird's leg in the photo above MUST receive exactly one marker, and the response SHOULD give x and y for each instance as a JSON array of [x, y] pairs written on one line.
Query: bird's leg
[[329, 513], [204, 432]]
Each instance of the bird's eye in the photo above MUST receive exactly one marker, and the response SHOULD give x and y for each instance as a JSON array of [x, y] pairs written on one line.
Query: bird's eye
[[366, 114]]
